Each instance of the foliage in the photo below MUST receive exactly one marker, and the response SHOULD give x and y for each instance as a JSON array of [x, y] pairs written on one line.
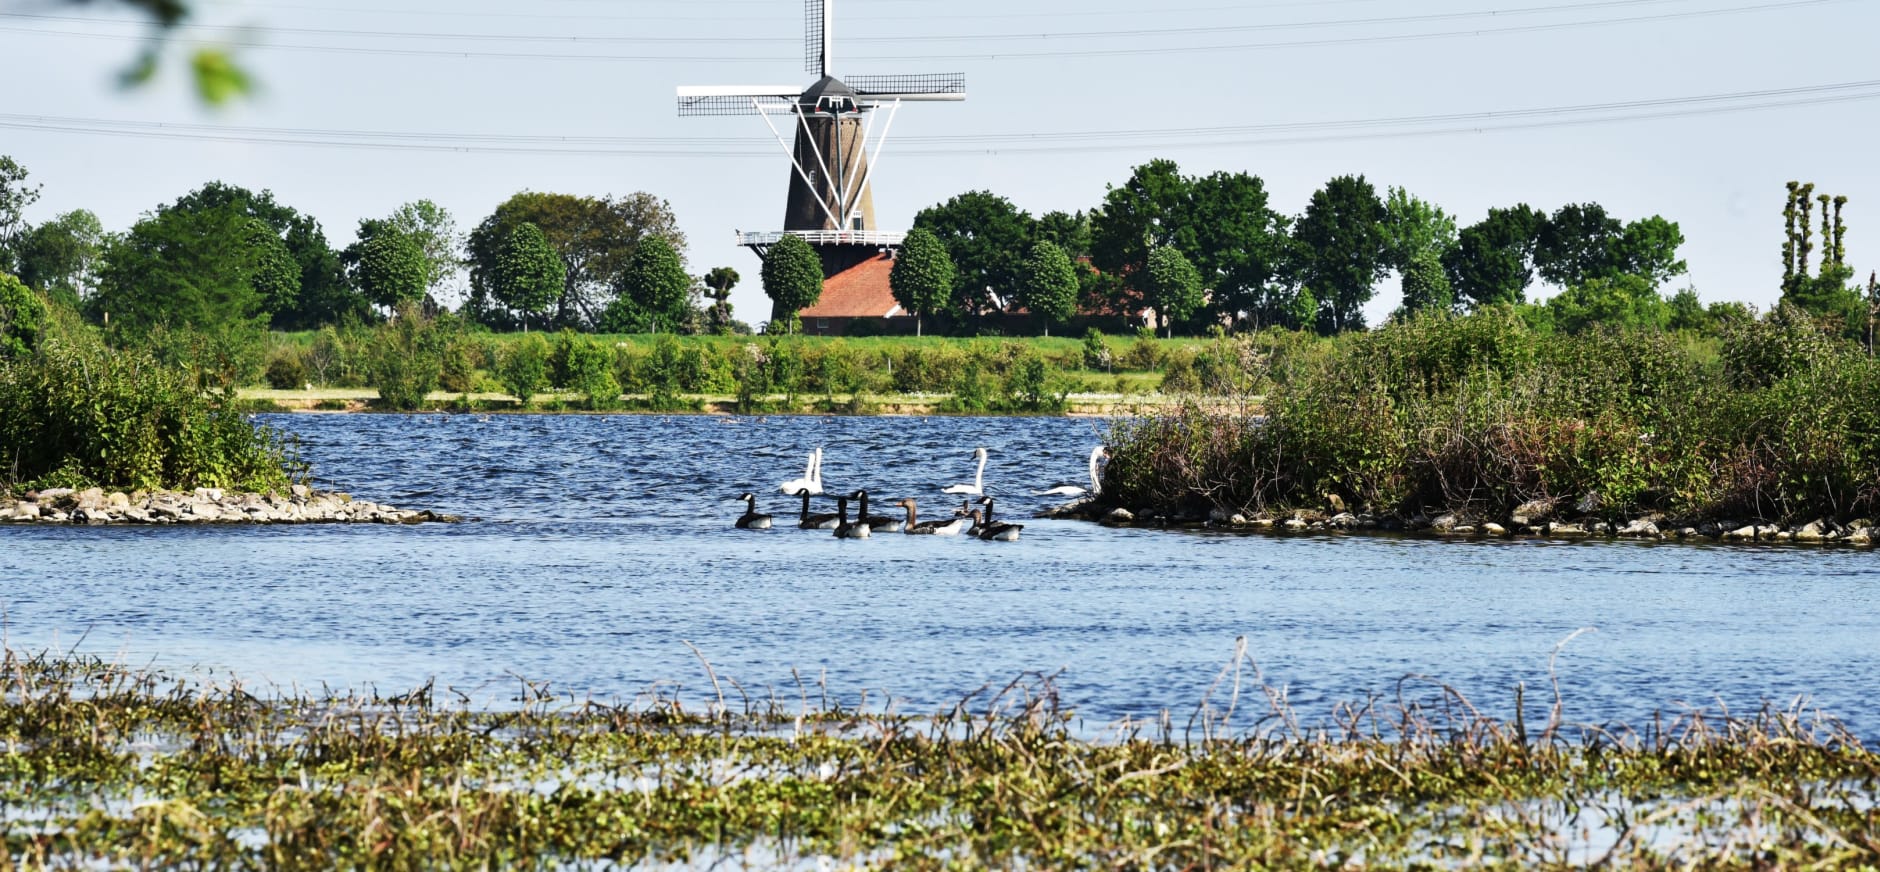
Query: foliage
[[407, 359], [793, 279], [527, 275], [1048, 284], [1097, 354], [22, 318], [986, 237], [1173, 286], [923, 276], [285, 371], [78, 413], [15, 196], [523, 368], [322, 295], [591, 373], [391, 268], [61, 256], [654, 284], [1342, 251], [1623, 301], [1426, 286], [593, 237], [1414, 229], [719, 282]]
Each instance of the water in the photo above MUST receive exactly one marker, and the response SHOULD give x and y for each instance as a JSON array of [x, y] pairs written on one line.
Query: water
[[601, 545]]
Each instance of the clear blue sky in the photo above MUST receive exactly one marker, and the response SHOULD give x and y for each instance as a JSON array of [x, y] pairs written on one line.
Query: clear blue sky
[[1035, 68]]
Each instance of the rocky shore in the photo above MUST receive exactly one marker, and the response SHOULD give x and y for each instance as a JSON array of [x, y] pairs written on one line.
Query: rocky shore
[[1540, 519], [300, 505]]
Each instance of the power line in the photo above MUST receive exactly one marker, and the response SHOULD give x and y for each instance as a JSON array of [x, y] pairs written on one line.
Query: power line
[[1004, 144], [252, 42]]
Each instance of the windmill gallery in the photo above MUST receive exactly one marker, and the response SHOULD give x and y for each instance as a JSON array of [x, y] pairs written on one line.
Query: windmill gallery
[[833, 153]]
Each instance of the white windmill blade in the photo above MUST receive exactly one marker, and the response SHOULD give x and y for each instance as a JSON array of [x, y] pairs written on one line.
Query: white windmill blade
[[915, 88], [819, 25], [691, 91]]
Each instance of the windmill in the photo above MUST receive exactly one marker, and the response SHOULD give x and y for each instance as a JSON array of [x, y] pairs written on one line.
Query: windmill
[[835, 151]]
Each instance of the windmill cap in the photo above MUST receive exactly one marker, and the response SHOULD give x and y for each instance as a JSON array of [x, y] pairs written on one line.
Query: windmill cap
[[827, 86]]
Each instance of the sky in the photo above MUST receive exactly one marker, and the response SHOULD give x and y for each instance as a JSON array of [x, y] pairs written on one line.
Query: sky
[[1697, 110]]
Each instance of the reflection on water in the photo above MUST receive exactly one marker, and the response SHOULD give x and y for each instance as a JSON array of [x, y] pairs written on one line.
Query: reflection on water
[[603, 542]]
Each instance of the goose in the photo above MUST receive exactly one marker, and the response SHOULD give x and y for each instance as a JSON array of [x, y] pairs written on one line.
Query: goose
[[876, 523], [751, 520], [914, 526], [1067, 489], [996, 531], [812, 476], [979, 478], [807, 521], [844, 529]]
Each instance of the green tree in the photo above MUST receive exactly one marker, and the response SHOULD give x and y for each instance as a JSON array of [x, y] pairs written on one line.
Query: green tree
[[1622, 301], [1173, 287], [523, 367], [390, 268], [22, 318], [655, 283], [1687, 312], [1341, 239], [1493, 261], [189, 268], [527, 275], [1136, 217], [324, 296], [793, 279], [593, 237], [591, 373], [435, 232], [15, 196], [1578, 243], [407, 359], [1413, 228], [923, 276], [1049, 285], [60, 257], [1425, 286], [1649, 249], [986, 236], [1065, 230], [719, 282], [1237, 241]]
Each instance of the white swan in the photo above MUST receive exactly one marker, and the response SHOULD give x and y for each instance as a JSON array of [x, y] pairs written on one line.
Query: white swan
[[979, 478], [812, 477], [1066, 489]]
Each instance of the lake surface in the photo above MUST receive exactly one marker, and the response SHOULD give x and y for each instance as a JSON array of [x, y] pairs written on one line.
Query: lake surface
[[601, 545]]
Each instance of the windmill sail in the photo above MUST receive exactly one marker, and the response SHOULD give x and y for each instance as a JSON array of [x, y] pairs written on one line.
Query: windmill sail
[[819, 36], [916, 87]]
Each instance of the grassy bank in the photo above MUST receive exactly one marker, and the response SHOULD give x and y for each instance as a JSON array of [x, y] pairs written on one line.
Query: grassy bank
[[114, 767], [1479, 416]]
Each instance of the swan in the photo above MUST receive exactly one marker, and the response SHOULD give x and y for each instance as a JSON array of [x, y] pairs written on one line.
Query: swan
[[751, 520], [876, 523], [812, 476], [914, 526], [1066, 489], [979, 478], [807, 521], [996, 531], [844, 529]]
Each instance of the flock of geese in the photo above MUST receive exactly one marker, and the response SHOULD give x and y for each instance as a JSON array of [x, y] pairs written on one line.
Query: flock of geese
[[966, 520]]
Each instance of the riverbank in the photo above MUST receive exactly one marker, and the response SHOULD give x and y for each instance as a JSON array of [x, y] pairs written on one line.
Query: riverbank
[[299, 505], [113, 766], [353, 400]]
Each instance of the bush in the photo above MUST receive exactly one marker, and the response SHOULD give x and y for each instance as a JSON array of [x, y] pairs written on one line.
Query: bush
[[407, 360], [523, 367], [22, 318], [285, 371], [1096, 351], [591, 373]]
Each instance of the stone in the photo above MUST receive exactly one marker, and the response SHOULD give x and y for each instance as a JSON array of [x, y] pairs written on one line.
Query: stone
[[1687, 532], [1860, 536], [1445, 524], [1118, 515], [300, 491], [1335, 504], [1464, 530], [1741, 534], [50, 494], [209, 493], [117, 500], [1589, 503], [1343, 521], [89, 498], [1294, 524], [1813, 531], [26, 511], [1564, 530], [1264, 523], [1532, 513], [1494, 529], [1642, 528]]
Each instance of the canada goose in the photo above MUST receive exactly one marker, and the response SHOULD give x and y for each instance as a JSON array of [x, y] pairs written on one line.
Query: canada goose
[[949, 527], [844, 529], [812, 476], [1067, 489], [751, 520], [979, 478], [877, 523], [807, 521], [996, 531]]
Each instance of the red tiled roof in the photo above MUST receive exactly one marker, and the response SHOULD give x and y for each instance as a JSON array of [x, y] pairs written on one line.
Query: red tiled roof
[[861, 291]]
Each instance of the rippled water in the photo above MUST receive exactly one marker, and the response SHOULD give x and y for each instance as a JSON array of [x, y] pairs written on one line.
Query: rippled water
[[600, 543]]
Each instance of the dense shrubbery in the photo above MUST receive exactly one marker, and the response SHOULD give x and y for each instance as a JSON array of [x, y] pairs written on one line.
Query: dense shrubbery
[[77, 413], [1482, 413]]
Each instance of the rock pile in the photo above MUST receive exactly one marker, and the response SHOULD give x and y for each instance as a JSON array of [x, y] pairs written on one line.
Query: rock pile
[[300, 505]]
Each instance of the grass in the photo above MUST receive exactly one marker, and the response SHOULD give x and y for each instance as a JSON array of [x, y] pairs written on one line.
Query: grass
[[116, 767]]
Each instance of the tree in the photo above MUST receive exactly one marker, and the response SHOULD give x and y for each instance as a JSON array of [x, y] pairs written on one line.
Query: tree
[[720, 281], [1624, 301], [523, 367], [1492, 261], [391, 269], [60, 257], [986, 236], [407, 359], [435, 232], [22, 318], [793, 279], [1236, 240], [1048, 286], [1826, 294], [923, 276], [1579, 243], [1341, 238], [324, 296], [1064, 230], [655, 283], [1414, 228], [1174, 286], [15, 196], [592, 236], [1425, 286], [201, 269], [527, 275], [1686, 312], [1649, 249], [1134, 218]]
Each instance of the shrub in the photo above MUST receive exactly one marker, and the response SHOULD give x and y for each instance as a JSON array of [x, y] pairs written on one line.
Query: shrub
[[1096, 351], [591, 373], [523, 367], [407, 360], [22, 318], [1031, 387], [285, 371], [1145, 354]]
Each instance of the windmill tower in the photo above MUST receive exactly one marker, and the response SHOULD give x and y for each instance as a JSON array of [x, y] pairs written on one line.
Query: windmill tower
[[834, 150]]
